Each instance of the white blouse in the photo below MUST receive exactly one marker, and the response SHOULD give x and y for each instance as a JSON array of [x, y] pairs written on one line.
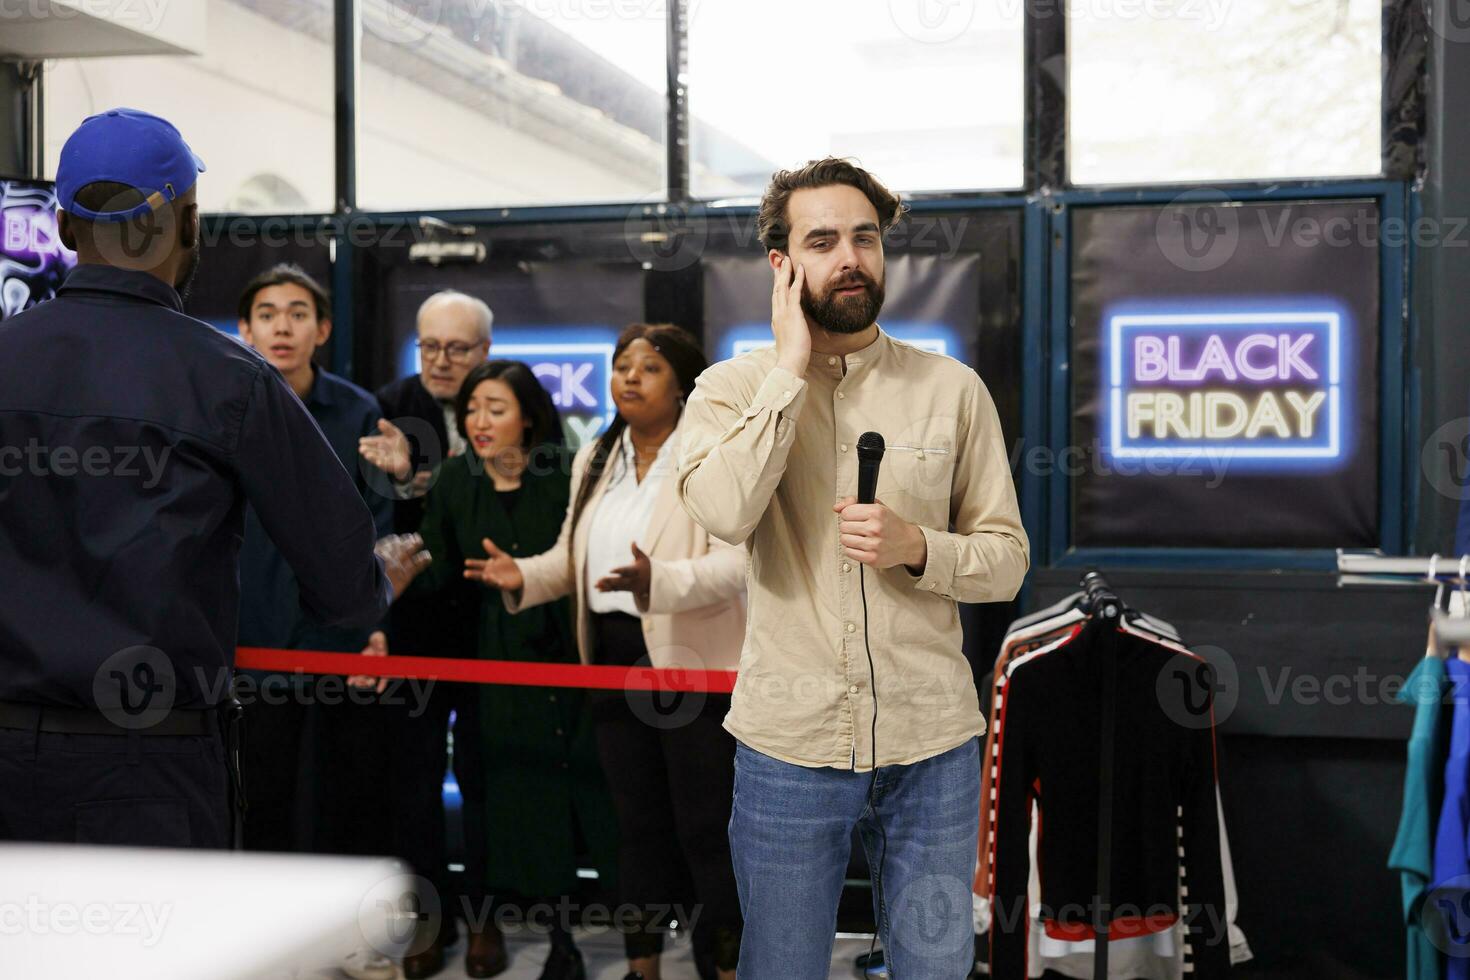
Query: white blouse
[[621, 517]]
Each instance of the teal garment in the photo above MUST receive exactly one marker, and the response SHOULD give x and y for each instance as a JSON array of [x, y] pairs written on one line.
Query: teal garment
[[1412, 855], [547, 807]]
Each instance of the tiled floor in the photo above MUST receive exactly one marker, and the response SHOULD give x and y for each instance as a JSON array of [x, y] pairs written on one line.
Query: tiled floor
[[604, 955]]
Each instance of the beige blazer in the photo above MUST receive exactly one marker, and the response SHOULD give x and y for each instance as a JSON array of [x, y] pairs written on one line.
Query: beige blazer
[[695, 616]]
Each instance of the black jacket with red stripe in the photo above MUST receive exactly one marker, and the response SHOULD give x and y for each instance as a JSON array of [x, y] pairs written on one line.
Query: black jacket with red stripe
[[1165, 828]]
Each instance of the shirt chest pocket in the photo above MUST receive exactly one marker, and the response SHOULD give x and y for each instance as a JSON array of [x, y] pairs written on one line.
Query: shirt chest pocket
[[917, 478]]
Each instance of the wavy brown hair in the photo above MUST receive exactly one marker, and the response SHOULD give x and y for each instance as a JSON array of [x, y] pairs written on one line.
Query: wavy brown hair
[[774, 227]]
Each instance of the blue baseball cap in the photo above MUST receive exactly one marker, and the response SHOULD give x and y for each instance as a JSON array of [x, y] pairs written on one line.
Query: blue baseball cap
[[130, 147]]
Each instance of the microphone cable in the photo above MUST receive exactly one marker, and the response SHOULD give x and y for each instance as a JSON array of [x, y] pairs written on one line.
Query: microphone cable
[[882, 908]]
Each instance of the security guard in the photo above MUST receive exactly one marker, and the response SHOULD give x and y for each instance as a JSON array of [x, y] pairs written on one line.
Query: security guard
[[131, 438]]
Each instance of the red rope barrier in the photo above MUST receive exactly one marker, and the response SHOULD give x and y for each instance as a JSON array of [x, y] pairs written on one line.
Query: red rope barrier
[[510, 672]]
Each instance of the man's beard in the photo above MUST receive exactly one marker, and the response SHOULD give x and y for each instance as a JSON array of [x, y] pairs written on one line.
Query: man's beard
[[187, 271], [845, 314]]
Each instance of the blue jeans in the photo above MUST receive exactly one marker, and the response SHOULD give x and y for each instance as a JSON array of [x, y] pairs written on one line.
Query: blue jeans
[[790, 834]]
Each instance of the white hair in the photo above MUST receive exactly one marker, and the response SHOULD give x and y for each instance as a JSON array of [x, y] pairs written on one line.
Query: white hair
[[483, 316]]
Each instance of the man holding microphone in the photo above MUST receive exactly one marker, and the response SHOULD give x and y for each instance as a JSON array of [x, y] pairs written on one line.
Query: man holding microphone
[[854, 705]]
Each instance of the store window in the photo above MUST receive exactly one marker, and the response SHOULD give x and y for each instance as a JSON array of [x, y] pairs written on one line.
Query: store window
[[473, 103], [250, 89], [1202, 90], [928, 96]]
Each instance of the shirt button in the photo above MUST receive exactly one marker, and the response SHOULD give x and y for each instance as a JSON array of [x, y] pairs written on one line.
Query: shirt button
[[851, 628], [558, 731], [842, 394], [852, 689], [843, 447], [552, 698], [846, 567], [785, 394], [831, 360], [919, 454]]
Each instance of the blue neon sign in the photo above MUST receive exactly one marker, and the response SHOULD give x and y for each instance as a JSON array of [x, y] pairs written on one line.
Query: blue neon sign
[[1256, 383]]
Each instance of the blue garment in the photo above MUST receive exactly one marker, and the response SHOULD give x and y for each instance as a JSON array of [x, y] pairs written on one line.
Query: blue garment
[[790, 833], [1451, 856], [1412, 855], [131, 438], [310, 748], [271, 613]]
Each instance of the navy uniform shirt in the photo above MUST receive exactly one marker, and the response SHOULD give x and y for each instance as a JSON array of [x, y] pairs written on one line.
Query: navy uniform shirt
[[131, 438], [270, 607]]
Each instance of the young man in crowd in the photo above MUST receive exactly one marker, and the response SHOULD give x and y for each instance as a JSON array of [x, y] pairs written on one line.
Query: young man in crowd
[[313, 751]]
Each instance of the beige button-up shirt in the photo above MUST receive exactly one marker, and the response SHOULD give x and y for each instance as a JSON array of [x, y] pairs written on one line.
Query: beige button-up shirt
[[765, 456]]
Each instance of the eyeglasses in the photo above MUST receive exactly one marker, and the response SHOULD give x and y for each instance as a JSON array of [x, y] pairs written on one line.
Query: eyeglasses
[[457, 353]]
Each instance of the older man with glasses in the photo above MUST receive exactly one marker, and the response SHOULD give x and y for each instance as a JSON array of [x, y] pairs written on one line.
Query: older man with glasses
[[417, 430], [416, 434]]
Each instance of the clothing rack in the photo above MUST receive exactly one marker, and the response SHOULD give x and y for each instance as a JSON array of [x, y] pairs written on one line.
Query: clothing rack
[[1372, 568], [1451, 631], [1100, 600], [1375, 568]]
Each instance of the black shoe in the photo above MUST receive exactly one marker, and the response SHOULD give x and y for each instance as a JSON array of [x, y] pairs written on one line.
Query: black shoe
[[486, 956], [564, 963], [426, 963], [704, 965]]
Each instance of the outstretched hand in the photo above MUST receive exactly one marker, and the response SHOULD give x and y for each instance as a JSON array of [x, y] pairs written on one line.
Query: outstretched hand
[[403, 558], [497, 569], [388, 451], [636, 578]]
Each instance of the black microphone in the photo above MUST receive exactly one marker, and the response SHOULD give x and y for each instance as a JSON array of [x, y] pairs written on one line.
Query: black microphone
[[870, 454]]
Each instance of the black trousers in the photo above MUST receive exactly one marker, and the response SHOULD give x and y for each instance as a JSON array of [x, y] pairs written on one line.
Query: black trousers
[[277, 786], [418, 757], [671, 769], [347, 752], [315, 767], [135, 790]]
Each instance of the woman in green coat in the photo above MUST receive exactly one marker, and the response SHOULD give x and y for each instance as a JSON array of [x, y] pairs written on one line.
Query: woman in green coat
[[547, 810]]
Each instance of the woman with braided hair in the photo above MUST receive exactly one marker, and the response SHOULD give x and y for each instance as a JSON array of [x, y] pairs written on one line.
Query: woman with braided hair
[[651, 587]]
